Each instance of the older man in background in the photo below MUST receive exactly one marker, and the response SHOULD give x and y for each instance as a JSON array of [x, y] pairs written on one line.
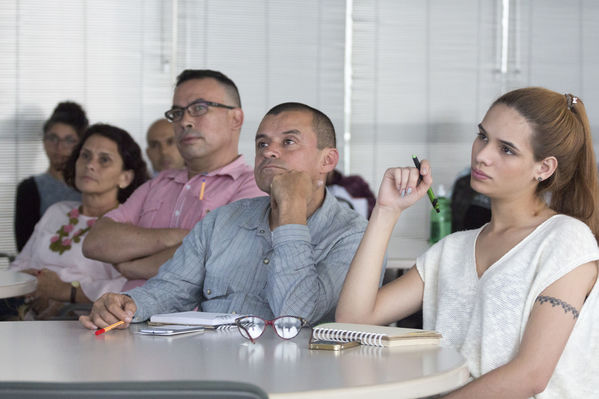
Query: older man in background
[[162, 148]]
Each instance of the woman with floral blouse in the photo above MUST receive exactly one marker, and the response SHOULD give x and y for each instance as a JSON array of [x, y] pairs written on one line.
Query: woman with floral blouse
[[106, 167]]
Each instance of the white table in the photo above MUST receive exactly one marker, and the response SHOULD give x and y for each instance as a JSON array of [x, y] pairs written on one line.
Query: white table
[[16, 283], [63, 351]]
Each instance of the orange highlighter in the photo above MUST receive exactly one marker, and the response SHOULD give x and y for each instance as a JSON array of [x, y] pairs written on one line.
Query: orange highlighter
[[110, 327]]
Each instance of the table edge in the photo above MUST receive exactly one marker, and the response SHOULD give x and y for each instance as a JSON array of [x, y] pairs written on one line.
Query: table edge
[[424, 386], [19, 289]]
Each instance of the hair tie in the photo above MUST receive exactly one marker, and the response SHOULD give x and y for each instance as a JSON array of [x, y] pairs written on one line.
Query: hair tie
[[571, 100]]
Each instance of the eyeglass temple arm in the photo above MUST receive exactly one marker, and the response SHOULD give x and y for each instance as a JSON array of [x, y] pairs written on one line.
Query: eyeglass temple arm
[[246, 331]]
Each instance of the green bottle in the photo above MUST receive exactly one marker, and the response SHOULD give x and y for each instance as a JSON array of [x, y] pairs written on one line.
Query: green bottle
[[440, 222]]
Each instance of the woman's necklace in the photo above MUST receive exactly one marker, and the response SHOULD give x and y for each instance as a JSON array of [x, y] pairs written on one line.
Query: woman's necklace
[[61, 241]]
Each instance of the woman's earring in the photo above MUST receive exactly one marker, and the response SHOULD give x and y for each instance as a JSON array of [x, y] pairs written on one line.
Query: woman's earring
[[540, 179]]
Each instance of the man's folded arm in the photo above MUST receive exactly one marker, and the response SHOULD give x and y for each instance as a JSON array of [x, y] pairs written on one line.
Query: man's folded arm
[[113, 242], [145, 268], [178, 285]]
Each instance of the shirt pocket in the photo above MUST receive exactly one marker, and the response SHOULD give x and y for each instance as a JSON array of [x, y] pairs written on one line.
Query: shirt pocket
[[215, 288], [149, 213]]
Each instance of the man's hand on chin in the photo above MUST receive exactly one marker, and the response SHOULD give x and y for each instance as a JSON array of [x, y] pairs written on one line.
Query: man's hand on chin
[[291, 193]]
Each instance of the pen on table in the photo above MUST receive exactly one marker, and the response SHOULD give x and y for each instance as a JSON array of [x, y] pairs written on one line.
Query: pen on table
[[202, 189], [431, 195], [110, 327]]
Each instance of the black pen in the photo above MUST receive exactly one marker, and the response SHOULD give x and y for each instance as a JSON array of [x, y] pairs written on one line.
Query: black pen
[[431, 195]]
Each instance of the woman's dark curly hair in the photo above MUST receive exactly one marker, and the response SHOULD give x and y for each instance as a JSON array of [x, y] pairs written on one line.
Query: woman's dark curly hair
[[128, 150], [70, 113]]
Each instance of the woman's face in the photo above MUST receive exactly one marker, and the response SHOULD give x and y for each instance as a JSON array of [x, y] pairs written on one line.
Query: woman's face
[[59, 142], [99, 167], [502, 160]]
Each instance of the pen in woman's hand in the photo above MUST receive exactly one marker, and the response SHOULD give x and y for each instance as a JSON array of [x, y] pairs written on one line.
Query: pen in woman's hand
[[431, 194]]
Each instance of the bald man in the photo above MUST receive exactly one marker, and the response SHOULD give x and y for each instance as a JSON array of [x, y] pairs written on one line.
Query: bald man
[[162, 147]]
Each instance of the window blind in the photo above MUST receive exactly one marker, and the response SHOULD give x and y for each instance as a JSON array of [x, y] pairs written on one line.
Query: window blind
[[118, 59], [424, 74]]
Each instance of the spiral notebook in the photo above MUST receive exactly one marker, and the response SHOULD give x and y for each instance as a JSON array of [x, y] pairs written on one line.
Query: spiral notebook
[[375, 335]]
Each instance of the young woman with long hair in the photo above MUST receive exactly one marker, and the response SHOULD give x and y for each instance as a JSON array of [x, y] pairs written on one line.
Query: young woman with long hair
[[517, 297]]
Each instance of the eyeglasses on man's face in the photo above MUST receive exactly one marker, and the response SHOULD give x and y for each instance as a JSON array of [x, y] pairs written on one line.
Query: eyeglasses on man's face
[[286, 327], [196, 108], [68, 142]]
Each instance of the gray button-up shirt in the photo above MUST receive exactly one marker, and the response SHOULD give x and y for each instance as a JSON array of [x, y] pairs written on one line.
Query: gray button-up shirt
[[232, 262]]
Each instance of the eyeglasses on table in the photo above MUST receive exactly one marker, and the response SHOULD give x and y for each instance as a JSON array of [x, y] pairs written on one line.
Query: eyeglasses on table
[[286, 327]]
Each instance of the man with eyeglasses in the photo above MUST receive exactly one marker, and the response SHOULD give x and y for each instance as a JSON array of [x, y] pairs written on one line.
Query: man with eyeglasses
[[144, 232], [286, 254]]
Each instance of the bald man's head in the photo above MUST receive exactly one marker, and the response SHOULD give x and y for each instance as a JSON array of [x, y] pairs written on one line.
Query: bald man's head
[[162, 147]]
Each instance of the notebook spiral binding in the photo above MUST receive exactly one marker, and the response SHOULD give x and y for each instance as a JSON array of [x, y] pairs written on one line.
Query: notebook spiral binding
[[226, 327], [365, 338]]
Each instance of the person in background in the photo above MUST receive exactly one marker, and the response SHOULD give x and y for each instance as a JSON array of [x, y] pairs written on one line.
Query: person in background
[[61, 133], [285, 254], [162, 148], [519, 296], [106, 167], [144, 232], [353, 191]]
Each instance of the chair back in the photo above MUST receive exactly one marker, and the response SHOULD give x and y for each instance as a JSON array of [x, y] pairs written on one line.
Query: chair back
[[133, 389]]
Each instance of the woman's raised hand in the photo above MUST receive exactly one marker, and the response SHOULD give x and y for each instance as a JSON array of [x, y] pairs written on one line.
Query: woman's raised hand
[[400, 187]]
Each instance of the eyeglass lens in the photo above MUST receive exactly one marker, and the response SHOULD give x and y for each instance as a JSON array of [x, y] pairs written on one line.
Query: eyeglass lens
[[195, 109], [253, 327], [286, 327], [55, 140]]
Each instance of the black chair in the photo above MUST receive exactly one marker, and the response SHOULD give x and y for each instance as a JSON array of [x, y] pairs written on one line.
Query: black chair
[[469, 209], [9, 257], [5, 260], [133, 389]]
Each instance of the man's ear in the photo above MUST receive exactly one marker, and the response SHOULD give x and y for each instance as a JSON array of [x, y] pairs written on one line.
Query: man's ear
[[237, 118], [126, 178], [546, 168], [328, 160]]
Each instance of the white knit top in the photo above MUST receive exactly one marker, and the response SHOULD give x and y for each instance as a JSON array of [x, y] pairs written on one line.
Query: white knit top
[[484, 318]]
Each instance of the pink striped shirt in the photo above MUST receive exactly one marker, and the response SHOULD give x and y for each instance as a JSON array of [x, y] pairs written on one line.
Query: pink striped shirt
[[171, 200]]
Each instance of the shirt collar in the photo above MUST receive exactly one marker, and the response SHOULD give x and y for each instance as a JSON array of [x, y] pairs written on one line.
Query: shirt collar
[[323, 214], [233, 169]]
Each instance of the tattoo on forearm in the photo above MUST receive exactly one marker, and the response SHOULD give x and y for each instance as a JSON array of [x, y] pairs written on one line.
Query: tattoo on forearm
[[558, 302]]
